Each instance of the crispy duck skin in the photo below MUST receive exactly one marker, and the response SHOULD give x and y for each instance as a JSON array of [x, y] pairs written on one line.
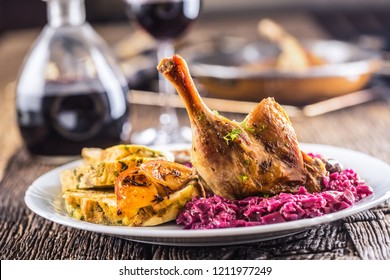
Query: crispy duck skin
[[255, 157]]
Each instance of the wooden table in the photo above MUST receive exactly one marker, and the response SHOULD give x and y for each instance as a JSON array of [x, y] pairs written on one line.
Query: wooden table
[[25, 235]]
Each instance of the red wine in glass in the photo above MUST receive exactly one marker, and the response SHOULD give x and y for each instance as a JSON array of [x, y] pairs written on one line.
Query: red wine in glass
[[165, 20]]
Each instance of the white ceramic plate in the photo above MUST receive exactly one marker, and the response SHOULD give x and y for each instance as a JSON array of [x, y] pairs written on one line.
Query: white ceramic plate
[[44, 198]]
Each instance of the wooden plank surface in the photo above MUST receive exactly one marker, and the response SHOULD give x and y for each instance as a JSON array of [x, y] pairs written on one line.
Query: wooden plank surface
[[24, 235]]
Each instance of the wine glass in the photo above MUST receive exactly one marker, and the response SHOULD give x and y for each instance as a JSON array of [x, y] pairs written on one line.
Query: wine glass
[[165, 20]]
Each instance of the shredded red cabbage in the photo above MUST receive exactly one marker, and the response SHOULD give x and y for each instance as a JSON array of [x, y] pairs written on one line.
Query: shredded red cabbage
[[341, 189]]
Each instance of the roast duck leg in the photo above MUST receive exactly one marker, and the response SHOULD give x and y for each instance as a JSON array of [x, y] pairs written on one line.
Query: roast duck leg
[[259, 156]]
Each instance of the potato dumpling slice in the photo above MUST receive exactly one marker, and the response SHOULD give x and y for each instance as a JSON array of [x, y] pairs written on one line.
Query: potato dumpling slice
[[149, 184]]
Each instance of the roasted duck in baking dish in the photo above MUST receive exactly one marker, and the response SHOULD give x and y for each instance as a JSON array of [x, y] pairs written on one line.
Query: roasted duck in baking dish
[[258, 156], [293, 55]]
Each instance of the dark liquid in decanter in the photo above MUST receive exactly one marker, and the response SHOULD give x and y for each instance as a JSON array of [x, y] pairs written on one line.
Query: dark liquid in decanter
[[57, 124]]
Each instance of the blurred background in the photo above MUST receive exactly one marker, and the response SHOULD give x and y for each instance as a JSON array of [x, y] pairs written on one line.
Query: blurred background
[[360, 22], [16, 14]]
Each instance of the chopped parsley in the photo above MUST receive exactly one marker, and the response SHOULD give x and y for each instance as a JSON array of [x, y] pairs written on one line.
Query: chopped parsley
[[201, 116], [124, 166], [247, 128], [244, 178], [262, 127], [233, 135]]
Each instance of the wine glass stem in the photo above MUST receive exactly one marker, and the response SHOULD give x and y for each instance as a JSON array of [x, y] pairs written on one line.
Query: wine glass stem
[[168, 118]]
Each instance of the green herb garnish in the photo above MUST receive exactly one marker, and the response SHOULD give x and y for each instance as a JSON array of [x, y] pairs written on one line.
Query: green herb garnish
[[262, 127], [247, 128], [244, 178], [124, 166], [231, 136], [201, 116]]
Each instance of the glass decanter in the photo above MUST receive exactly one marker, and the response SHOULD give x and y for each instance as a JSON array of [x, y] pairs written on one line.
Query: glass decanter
[[70, 93]]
